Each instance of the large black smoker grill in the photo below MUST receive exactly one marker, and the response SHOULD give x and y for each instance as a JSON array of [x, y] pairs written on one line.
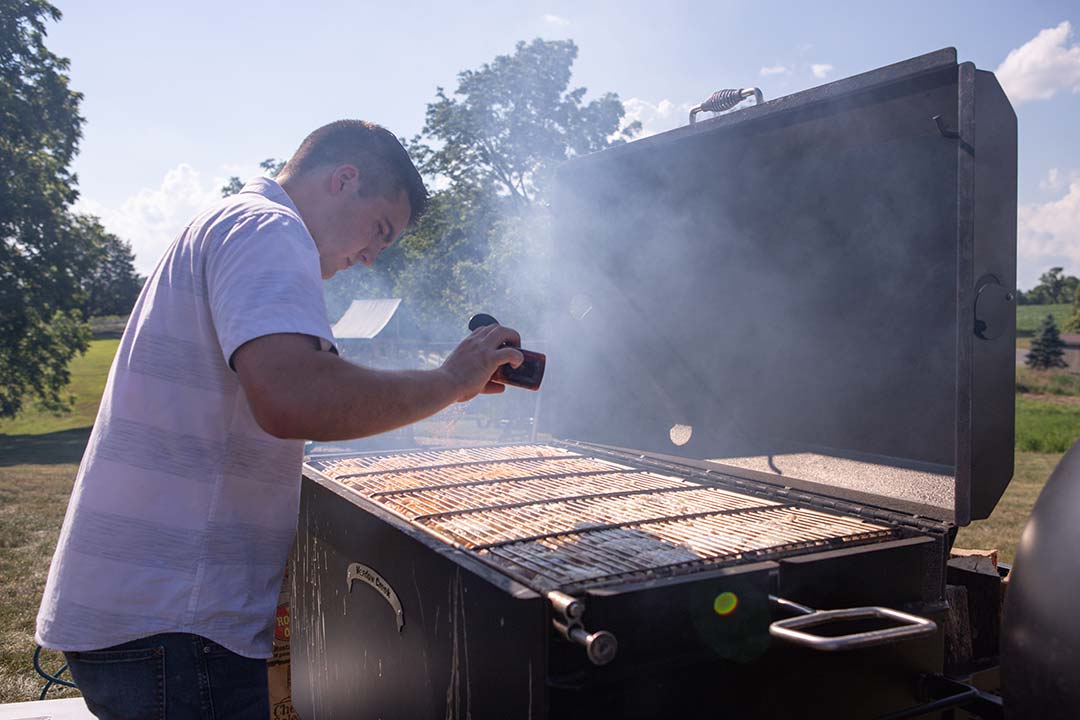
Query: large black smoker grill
[[800, 317]]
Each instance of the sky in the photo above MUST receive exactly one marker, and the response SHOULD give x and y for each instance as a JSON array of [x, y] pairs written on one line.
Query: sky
[[180, 96]]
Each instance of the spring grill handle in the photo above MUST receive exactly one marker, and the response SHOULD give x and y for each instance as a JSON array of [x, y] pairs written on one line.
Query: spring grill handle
[[910, 626], [600, 646], [722, 100]]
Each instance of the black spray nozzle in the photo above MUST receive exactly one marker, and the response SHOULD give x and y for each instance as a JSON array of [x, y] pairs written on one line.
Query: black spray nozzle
[[480, 320]]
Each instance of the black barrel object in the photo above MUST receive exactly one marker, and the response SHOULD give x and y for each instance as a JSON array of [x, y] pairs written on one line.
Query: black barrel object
[[1040, 654]]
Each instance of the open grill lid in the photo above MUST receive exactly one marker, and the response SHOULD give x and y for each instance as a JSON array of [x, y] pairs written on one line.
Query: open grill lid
[[818, 290]]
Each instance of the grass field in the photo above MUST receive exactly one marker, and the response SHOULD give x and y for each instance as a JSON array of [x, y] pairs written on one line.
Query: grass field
[[39, 456], [88, 374], [1028, 317]]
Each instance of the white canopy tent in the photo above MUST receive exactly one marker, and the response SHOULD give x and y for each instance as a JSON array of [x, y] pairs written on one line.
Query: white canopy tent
[[365, 318]]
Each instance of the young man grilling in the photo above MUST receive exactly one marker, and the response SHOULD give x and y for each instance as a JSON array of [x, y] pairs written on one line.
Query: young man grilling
[[163, 587]]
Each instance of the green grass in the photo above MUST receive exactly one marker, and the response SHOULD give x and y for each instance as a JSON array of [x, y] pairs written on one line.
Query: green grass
[[88, 375], [39, 456], [1001, 531], [1046, 427], [33, 499], [1046, 382], [1028, 317]]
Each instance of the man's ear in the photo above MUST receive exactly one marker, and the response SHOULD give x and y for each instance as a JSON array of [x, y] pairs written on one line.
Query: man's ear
[[342, 176]]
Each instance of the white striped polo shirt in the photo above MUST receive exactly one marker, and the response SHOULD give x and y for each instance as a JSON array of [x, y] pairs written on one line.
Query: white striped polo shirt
[[184, 510]]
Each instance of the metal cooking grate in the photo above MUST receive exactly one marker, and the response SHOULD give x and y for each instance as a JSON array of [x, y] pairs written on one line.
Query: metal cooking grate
[[555, 517], [337, 467]]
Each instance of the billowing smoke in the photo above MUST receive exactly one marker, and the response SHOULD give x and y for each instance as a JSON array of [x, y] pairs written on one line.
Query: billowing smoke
[[759, 287]]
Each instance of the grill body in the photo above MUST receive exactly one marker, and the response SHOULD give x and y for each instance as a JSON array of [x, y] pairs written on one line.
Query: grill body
[[477, 637], [816, 294]]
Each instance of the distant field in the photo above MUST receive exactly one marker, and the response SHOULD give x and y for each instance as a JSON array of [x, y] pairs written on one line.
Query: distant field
[[1001, 531], [39, 455], [88, 375], [1046, 382], [1046, 426], [1028, 317]]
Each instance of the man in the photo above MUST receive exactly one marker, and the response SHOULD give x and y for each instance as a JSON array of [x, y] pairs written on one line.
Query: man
[[163, 587]]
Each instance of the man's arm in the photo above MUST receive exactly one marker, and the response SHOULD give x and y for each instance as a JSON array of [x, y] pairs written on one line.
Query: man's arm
[[297, 391]]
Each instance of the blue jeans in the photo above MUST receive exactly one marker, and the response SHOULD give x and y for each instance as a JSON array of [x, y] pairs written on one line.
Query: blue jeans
[[173, 676]]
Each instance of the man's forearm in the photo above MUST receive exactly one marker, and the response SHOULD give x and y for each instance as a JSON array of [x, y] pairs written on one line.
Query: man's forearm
[[332, 399], [296, 391]]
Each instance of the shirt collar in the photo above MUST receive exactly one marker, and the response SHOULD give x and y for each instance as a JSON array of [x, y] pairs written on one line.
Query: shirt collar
[[271, 191]]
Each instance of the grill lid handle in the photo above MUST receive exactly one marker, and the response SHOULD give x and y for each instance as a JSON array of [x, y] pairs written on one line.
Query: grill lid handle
[[722, 100], [909, 626]]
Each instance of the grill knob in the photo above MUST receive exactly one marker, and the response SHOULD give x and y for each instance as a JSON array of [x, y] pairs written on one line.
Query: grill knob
[[600, 646]]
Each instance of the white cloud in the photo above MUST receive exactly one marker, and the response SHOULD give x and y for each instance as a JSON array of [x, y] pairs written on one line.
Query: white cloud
[[556, 20], [1048, 233], [655, 118], [151, 218], [1053, 181], [1041, 67], [821, 70], [774, 70]]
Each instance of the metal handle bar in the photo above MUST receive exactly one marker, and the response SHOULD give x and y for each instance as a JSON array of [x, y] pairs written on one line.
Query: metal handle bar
[[722, 100], [911, 626]]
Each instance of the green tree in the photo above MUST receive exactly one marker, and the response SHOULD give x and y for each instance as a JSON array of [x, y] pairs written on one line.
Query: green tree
[[270, 166], [1047, 349], [112, 286], [510, 122], [490, 147], [1054, 282], [43, 254], [1054, 287], [1073, 323]]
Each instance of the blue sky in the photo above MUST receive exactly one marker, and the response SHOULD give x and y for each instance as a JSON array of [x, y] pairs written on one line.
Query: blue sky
[[181, 95]]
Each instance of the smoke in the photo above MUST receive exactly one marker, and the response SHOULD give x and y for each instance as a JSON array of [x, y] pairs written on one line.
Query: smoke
[[764, 289]]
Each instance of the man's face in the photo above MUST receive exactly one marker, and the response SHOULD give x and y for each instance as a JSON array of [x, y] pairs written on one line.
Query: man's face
[[357, 228]]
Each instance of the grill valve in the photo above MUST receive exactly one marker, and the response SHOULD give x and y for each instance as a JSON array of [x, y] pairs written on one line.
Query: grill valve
[[600, 646]]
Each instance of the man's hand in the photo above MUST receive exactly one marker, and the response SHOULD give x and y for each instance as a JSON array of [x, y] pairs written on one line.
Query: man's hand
[[472, 363]]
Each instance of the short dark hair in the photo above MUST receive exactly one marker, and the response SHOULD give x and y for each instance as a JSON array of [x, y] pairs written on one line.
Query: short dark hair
[[386, 166]]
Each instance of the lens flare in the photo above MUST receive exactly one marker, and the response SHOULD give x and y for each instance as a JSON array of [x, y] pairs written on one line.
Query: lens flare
[[680, 434], [725, 603]]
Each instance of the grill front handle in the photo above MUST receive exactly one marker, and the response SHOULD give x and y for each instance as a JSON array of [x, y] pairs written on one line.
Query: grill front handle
[[600, 646], [791, 629]]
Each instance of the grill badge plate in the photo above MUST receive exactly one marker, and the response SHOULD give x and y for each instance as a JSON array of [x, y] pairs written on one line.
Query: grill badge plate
[[377, 582]]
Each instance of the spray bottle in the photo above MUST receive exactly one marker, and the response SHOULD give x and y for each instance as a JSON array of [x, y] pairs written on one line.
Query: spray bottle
[[528, 375]]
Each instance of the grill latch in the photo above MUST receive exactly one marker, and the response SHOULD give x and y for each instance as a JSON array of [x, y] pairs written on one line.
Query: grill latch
[[600, 646]]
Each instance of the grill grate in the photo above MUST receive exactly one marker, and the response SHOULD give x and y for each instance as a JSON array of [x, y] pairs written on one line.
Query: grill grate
[[556, 518]]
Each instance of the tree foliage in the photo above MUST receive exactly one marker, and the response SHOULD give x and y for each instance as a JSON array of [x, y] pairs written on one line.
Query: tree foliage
[[1047, 349], [270, 166], [43, 253], [490, 148], [1073, 323], [510, 122], [112, 285], [1054, 287]]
